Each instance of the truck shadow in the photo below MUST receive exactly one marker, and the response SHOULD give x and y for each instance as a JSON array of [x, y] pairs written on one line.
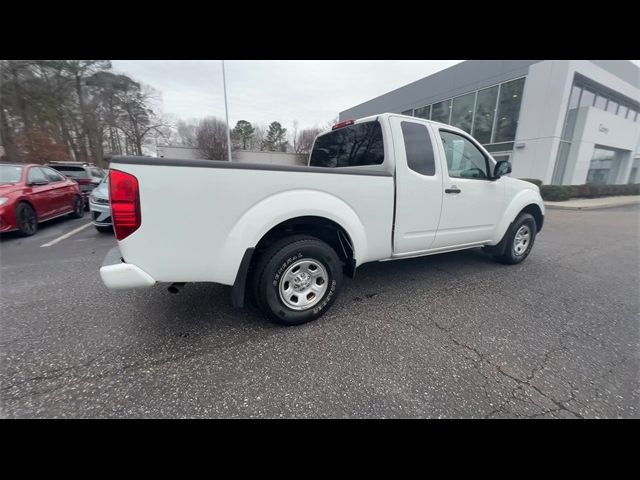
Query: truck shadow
[[205, 308]]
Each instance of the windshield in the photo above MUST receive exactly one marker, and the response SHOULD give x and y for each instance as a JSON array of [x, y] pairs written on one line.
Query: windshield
[[10, 174], [72, 172]]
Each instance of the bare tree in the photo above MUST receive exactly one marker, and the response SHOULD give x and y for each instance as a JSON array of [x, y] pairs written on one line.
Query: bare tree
[[74, 109], [303, 142], [256, 141], [187, 131], [211, 138]]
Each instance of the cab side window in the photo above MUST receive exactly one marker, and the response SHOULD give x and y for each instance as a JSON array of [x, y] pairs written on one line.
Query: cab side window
[[464, 159], [36, 174], [417, 144], [52, 175]]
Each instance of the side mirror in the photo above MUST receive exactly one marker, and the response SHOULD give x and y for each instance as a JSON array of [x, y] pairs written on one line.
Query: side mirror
[[37, 183], [502, 168]]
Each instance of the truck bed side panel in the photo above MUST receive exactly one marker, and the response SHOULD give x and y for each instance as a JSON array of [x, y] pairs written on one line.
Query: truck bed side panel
[[198, 222]]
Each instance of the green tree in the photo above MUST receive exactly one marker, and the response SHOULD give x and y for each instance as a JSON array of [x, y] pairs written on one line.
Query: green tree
[[276, 137], [242, 133]]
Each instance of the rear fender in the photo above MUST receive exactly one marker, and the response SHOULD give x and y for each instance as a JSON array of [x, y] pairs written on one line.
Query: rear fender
[[280, 207]]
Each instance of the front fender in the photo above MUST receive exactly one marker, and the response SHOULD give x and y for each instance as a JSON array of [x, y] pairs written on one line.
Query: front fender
[[280, 207], [515, 206]]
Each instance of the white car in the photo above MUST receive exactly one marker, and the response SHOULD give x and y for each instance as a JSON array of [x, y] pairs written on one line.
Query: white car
[[99, 207], [385, 187]]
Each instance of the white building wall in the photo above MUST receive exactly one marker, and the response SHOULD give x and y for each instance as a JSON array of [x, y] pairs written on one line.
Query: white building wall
[[542, 115], [544, 100], [182, 153], [281, 158], [595, 127], [244, 156]]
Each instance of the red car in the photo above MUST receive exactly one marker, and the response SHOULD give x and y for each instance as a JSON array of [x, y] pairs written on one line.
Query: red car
[[30, 194]]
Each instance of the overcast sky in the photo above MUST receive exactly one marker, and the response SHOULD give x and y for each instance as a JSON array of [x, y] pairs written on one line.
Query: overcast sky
[[261, 91]]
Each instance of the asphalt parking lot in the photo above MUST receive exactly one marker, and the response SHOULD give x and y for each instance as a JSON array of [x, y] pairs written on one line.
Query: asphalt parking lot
[[453, 335]]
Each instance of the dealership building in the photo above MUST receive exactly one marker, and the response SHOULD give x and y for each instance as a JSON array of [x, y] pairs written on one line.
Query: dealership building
[[565, 122]]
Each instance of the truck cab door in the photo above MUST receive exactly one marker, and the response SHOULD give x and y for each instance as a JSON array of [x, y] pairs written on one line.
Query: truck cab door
[[418, 186], [472, 203]]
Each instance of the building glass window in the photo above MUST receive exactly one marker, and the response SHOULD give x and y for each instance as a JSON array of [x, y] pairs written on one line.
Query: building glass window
[[408, 112], [587, 99], [508, 110], [561, 163], [462, 112], [604, 167], [601, 102], [417, 145], [423, 112], [441, 111], [612, 106], [485, 111], [570, 121], [622, 111]]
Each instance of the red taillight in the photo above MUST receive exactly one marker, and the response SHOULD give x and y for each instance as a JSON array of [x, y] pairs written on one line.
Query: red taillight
[[342, 124], [124, 197]]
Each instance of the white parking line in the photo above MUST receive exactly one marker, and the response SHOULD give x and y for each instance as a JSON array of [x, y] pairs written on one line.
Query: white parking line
[[66, 235]]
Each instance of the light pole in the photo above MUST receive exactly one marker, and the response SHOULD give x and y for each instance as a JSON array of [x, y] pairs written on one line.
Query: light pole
[[226, 110]]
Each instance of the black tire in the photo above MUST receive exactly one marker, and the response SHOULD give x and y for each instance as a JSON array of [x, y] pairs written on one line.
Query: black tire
[[108, 229], [78, 207], [26, 219], [275, 262], [513, 250]]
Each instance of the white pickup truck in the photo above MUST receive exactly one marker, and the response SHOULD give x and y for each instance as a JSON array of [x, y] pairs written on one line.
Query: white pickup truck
[[379, 188]]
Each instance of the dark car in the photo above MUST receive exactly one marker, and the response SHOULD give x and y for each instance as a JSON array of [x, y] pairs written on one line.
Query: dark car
[[87, 175], [30, 194]]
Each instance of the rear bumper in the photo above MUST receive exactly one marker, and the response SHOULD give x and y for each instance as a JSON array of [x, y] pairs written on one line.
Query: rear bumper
[[118, 275]]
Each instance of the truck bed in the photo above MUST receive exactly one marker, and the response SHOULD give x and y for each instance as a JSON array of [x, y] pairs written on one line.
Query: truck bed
[[199, 216]]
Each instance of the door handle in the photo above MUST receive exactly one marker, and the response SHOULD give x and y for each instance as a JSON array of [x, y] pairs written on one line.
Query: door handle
[[453, 189]]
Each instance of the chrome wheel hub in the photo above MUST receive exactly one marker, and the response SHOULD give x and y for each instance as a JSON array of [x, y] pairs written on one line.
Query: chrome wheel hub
[[521, 240], [303, 284]]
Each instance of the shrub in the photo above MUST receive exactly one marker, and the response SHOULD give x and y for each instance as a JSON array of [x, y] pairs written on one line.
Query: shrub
[[555, 193], [593, 191], [559, 193], [535, 181]]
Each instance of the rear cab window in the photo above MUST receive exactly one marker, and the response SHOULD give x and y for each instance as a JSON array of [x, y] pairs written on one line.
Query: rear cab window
[[356, 145]]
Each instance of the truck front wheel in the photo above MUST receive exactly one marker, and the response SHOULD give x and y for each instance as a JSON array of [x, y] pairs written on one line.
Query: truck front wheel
[[297, 279], [519, 240]]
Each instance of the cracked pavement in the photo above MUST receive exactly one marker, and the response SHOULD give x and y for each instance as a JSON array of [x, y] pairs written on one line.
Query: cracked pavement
[[453, 335]]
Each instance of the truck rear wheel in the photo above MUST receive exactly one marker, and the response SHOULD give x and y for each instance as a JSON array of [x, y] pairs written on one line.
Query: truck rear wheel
[[297, 279]]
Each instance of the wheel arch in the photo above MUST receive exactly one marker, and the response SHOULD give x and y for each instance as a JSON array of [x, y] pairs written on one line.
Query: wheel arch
[[536, 212], [28, 202], [328, 218], [527, 201]]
